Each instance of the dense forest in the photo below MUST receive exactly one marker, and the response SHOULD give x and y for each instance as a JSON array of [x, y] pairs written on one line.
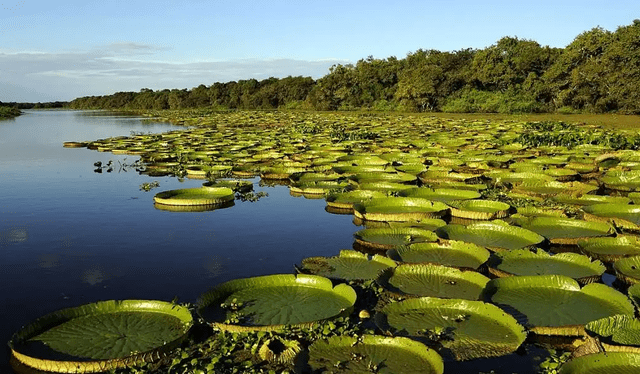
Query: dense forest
[[598, 72]]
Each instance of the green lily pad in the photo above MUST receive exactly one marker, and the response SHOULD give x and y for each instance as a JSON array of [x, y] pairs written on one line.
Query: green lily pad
[[548, 188], [346, 200], [463, 328], [610, 249], [434, 280], [566, 230], [349, 265], [589, 199], [400, 209], [622, 180], [479, 209], [557, 301], [385, 238], [628, 269], [195, 196], [526, 262], [101, 336], [445, 252], [272, 302], [628, 212], [373, 354], [619, 329], [444, 195], [236, 185], [603, 363], [491, 235]]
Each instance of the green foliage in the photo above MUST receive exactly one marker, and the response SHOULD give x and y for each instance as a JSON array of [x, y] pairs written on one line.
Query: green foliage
[[597, 72], [562, 134], [9, 112]]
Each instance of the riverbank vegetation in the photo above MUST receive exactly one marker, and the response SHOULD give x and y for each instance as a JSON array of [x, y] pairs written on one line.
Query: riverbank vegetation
[[9, 112], [596, 73]]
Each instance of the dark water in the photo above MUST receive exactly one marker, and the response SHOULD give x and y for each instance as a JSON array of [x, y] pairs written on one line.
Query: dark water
[[69, 236]]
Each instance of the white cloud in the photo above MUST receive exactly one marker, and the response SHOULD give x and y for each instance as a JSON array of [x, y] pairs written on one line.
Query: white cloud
[[128, 66]]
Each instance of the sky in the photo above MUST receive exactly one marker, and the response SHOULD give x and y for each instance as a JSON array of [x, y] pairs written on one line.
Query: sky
[[59, 50]]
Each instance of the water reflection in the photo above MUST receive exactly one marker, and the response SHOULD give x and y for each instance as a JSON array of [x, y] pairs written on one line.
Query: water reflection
[[214, 267], [49, 261], [13, 235], [192, 208]]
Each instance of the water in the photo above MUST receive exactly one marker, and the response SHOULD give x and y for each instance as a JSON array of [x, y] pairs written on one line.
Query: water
[[70, 236]]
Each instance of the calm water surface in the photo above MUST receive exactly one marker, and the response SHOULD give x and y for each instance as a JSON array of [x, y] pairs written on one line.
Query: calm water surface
[[70, 236]]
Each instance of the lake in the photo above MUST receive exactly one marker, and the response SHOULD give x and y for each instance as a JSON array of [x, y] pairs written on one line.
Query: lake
[[70, 236]]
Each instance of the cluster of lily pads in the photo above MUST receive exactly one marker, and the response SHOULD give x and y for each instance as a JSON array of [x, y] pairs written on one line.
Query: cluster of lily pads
[[471, 245]]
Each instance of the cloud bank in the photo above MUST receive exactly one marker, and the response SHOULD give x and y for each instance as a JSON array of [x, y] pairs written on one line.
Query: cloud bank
[[48, 76]]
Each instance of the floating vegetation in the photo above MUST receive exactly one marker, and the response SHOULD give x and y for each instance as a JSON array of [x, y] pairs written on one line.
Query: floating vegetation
[[463, 329], [273, 302], [101, 336], [435, 195], [374, 354]]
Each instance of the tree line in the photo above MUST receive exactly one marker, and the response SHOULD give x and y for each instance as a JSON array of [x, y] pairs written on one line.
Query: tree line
[[598, 72]]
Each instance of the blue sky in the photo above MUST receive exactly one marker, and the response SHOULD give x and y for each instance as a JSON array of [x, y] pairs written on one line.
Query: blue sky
[[59, 50]]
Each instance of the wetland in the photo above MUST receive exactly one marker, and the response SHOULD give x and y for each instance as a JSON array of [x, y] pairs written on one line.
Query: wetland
[[461, 224]]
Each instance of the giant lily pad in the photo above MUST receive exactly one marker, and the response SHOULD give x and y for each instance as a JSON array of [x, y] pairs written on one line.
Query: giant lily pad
[[195, 196], [440, 194], [349, 265], [618, 329], [466, 329], [554, 303], [372, 353], [345, 200], [400, 209], [434, 280], [272, 302], [445, 252], [611, 249], [550, 188], [566, 230], [492, 235], [101, 336], [479, 209], [603, 363], [628, 269], [526, 262], [385, 238], [628, 212]]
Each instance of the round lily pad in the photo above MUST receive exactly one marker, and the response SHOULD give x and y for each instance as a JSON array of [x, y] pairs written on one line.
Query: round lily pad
[[628, 212], [101, 336], [400, 209], [349, 265], [492, 235], [445, 252], [373, 354], [551, 302], [479, 209], [272, 302], [434, 280], [345, 200], [628, 269], [462, 328], [619, 329], [603, 363], [385, 238], [195, 196], [237, 185], [526, 262], [567, 230], [611, 249], [444, 195]]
